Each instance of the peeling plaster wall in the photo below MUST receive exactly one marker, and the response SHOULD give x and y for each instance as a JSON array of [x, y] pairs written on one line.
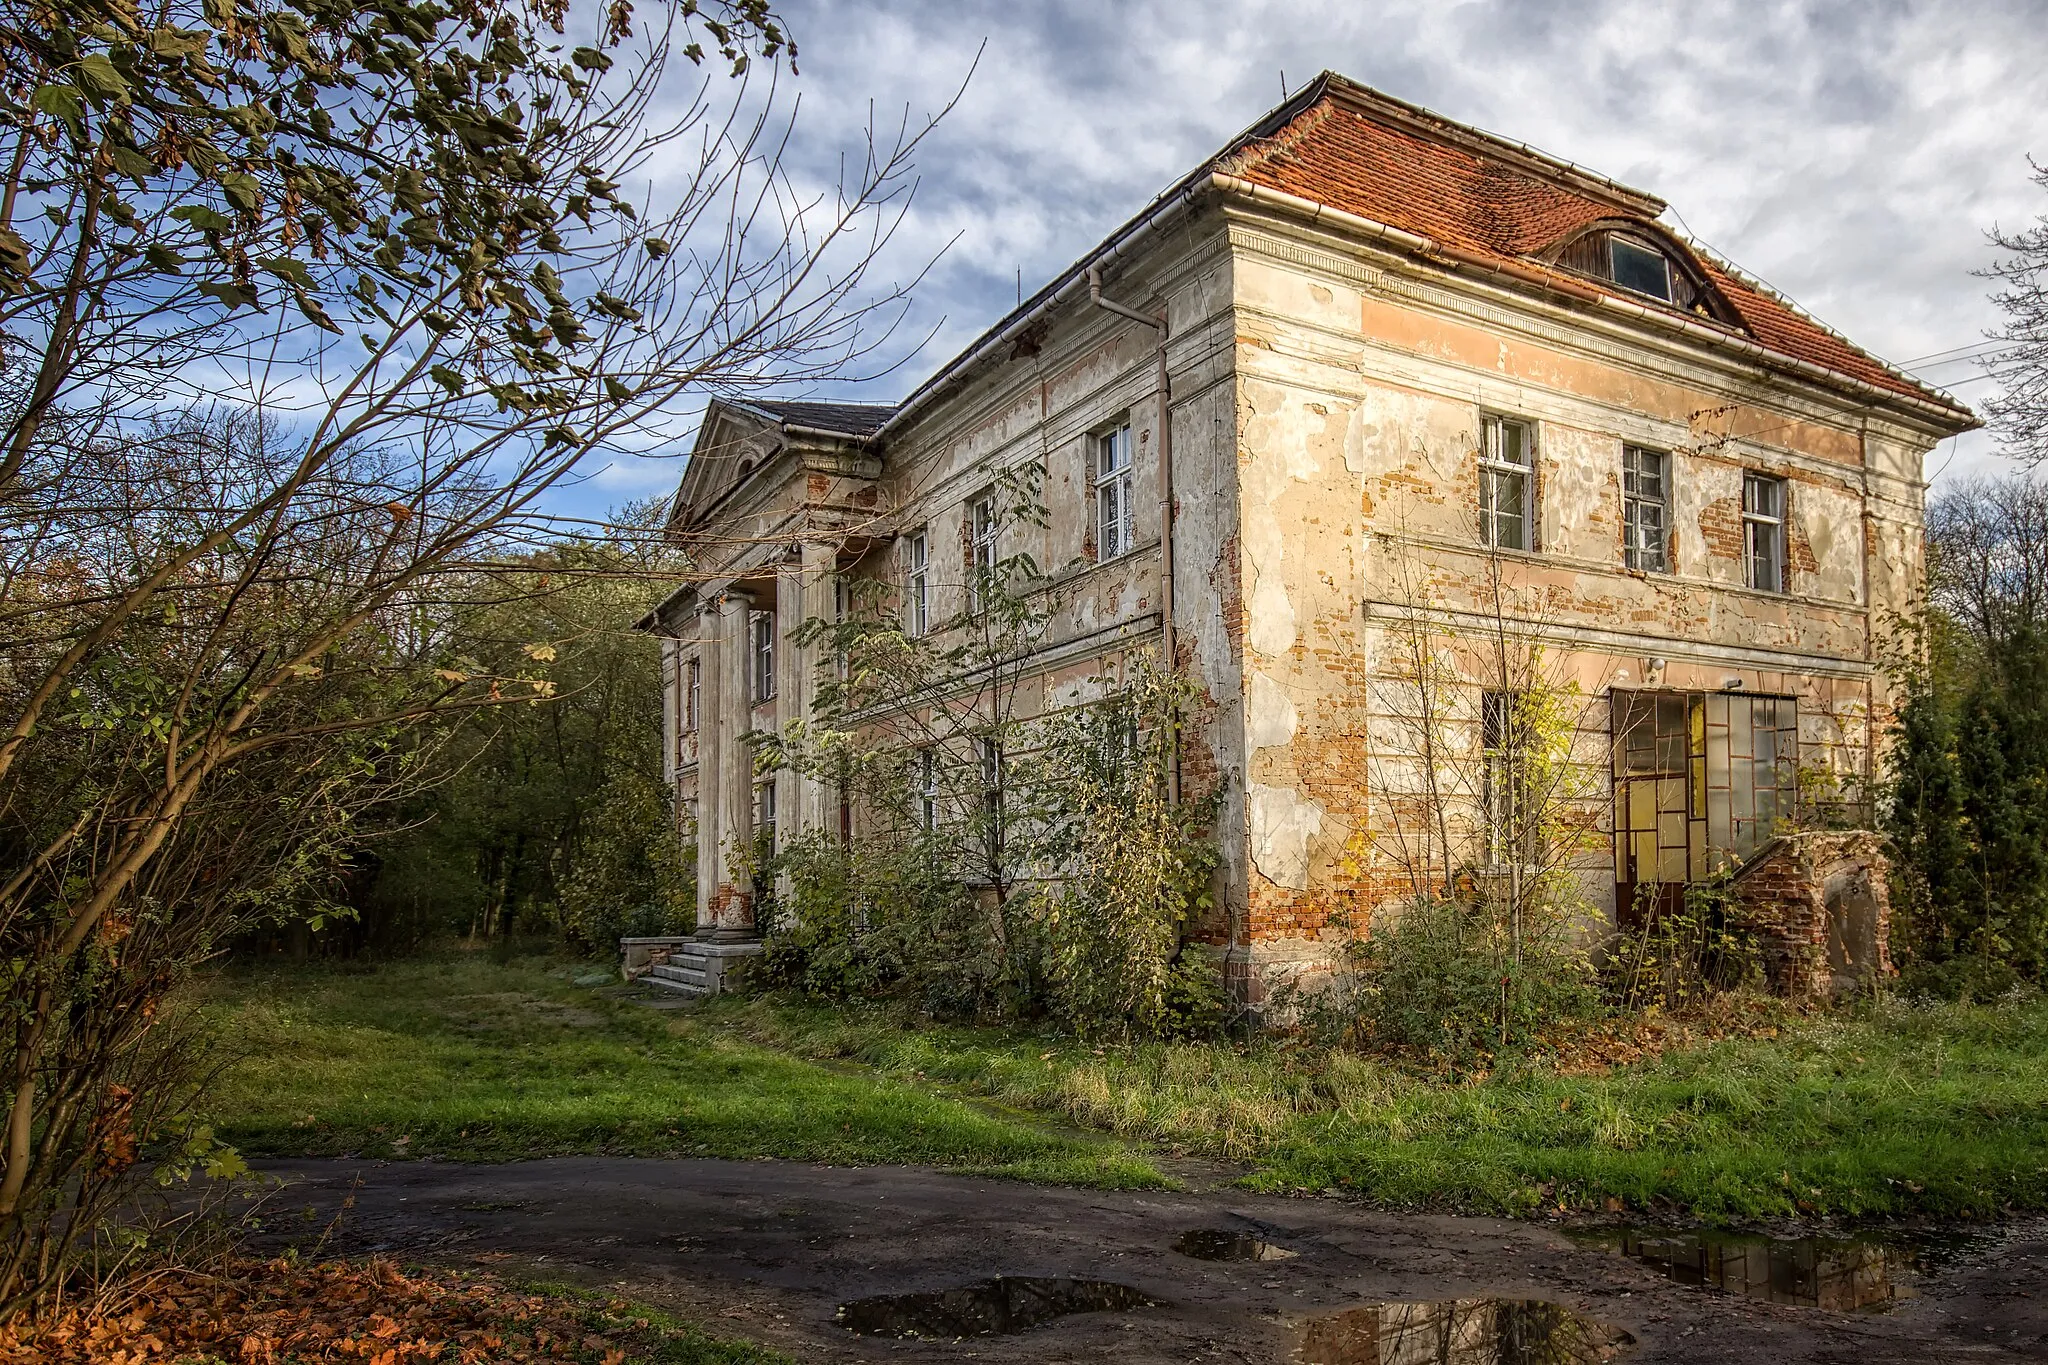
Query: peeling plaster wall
[[1081, 372], [1360, 382]]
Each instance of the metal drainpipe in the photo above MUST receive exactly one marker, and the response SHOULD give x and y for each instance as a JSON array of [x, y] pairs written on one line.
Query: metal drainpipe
[[1161, 390]]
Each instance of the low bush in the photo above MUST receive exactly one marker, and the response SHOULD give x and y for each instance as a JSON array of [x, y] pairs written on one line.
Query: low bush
[[1447, 979], [1678, 955]]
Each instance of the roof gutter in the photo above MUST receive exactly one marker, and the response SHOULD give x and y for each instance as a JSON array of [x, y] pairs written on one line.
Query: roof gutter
[[1162, 394], [1314, 212]]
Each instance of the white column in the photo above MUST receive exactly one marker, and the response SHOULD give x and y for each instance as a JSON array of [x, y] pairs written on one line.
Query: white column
[[725, 779], [802, 594]]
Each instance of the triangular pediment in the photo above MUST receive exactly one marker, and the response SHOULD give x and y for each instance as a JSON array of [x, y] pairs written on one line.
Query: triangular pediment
[[731, 444]]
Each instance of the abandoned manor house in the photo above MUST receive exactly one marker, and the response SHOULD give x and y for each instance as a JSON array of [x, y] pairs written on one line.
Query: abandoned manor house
[[1367, 425]]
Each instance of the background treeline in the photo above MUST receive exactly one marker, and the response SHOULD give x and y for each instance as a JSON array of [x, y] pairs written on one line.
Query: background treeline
[[1966, 803], [548, 817]]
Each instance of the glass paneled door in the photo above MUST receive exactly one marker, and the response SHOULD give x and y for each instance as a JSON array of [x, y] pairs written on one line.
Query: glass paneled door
[[1702, 780]]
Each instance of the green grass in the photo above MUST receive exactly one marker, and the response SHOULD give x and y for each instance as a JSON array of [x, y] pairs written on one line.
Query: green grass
[[1888, 1109], [462, 1058]]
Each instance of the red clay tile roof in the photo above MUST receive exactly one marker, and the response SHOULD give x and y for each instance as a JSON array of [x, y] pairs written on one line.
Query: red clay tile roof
[[1355, 150]]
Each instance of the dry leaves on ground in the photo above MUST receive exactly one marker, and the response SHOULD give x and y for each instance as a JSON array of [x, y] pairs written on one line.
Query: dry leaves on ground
[[1597, 1048], [273, 1312]]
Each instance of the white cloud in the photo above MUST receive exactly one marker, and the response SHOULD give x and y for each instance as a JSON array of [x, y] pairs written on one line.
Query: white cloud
[[1850, 153]]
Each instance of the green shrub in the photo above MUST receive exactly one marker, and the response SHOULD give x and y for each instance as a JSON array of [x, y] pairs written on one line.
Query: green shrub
[[1677, 956], [1129, 867], [885, 915], [1446, 979]]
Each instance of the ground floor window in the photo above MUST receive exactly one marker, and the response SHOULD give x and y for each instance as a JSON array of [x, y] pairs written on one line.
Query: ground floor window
[[1702, 780]]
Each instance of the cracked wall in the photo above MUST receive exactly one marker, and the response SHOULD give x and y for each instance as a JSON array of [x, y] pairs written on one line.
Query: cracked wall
[[1360, 388]]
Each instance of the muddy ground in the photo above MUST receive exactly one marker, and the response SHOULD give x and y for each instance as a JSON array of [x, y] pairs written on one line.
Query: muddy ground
[[770, 1250]]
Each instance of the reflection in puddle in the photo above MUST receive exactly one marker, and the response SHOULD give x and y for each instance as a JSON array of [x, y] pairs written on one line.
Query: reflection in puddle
[[1843, 1274], [1005, 1304], [1461, 1332], [1219, 1244]]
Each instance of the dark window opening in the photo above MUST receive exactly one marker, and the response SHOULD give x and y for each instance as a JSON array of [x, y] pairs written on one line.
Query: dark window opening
[[1640, 268]]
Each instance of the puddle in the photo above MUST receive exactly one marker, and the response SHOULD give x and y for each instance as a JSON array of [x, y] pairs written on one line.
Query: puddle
[[1845, 1274], [1220, 1244], [997, 1307], [1461, 1332]]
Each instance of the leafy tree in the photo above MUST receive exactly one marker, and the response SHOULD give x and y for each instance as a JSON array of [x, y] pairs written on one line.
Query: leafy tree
[[1125, 870], [1967, 806], [551, 813], [304, 307]]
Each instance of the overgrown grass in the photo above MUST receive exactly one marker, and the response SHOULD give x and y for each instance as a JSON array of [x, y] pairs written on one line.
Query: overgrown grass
[[1886, 1109], [462, 1058]]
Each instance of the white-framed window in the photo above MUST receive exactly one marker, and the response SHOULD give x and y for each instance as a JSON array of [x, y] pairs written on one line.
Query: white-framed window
[[1113, 492], [1509, 830], [1644, 269], [693, 694], [1763, 532], [917, 588], [764, 816], [1645, 508], [983, 527], [1507, 484], [928, 789], [763, 625]]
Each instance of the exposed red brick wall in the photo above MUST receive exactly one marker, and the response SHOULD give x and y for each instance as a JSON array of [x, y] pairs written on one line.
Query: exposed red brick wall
[[1781, 897]]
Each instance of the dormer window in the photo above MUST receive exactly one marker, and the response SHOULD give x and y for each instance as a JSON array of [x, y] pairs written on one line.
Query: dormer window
[[1641, 263], [1641, 268]]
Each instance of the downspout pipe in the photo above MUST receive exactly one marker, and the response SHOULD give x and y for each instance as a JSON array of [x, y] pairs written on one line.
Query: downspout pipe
[[1162, 391]]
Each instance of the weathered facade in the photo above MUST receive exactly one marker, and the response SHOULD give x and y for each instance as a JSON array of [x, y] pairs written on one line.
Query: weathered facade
[[1416, 374]]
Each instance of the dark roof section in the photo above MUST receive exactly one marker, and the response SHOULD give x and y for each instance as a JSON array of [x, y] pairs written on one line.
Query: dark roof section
[[859, 420]]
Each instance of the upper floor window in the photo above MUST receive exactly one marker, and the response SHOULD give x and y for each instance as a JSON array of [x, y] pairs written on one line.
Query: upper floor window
[[693, 694], [1645, 508], [1507, 484], [1113, 492], [982, 529], [1763, 532], [764, 816], [918, 585], [763, 625]]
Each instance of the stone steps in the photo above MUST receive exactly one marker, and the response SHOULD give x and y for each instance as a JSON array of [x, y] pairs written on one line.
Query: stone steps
[[683, 973], [692, 968]]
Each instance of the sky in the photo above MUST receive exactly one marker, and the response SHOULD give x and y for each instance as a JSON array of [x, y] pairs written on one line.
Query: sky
[[1851, 153]]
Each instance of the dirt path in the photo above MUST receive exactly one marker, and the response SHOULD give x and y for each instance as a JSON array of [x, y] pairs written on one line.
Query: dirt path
[[769, 1250]]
